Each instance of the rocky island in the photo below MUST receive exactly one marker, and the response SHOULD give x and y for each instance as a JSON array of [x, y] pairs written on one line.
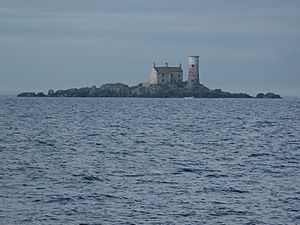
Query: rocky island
[[165, 82], [179, 90]]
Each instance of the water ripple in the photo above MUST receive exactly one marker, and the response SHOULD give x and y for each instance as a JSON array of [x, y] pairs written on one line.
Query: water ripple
[[149, 161]]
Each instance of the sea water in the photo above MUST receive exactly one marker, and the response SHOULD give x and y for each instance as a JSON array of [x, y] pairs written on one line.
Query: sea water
[[149, 161]]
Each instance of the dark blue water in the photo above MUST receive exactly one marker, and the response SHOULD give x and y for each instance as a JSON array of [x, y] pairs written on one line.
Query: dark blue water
[[149, 161]]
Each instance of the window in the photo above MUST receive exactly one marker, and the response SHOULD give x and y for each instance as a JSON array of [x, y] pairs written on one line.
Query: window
[[163, 75], [171, 75], [162, 80], [178, 75]]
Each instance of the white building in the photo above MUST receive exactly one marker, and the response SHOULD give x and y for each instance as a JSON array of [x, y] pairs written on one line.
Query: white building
[[166, 75]]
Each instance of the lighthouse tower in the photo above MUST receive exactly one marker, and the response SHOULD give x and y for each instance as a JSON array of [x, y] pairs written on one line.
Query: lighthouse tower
[[193, 78]]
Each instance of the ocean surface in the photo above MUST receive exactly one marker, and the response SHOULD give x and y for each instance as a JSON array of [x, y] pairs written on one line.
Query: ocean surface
[[128, 161]]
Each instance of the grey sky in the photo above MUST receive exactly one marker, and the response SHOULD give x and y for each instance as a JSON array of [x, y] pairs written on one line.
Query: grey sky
[[244, 46]]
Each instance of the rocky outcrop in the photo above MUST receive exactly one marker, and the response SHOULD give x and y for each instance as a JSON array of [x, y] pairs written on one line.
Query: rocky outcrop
[[31, 94], [114, 90], [179, 90], [267, 95]]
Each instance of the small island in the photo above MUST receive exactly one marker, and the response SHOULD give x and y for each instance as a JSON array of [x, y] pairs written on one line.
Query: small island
[[146, 91], [165, 82]]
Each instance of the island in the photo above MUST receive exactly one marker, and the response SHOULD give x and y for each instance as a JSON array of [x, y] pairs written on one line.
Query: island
[[145, 90], [165, 82]]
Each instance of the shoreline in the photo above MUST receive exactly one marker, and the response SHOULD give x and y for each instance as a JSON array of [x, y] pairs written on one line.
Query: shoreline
[[145, 90]]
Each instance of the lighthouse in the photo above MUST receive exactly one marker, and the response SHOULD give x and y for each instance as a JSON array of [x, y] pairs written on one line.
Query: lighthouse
[[193, 78]]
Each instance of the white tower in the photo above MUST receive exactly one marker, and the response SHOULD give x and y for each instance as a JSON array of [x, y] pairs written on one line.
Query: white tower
[[193, 78]]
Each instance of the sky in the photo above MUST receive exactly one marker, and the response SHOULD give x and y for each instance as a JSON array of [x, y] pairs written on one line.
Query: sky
[[244, 46]]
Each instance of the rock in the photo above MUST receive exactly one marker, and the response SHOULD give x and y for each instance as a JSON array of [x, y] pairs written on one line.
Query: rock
[[40, 94], [114, 90], [260, 95], [27, 94], [268, 95], [272, 95], [50, 93], [31, 94]]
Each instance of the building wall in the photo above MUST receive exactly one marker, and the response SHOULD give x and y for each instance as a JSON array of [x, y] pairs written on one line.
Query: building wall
[[153, 77], [162, 78], [174, 77], [193, 78]]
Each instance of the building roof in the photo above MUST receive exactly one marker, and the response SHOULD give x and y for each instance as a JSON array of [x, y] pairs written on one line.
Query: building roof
[[168, 70]]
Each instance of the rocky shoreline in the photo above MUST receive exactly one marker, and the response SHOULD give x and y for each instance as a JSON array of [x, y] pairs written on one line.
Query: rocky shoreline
[[181, 90]]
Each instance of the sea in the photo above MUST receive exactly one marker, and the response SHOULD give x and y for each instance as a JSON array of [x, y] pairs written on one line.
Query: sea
[[90, 161]]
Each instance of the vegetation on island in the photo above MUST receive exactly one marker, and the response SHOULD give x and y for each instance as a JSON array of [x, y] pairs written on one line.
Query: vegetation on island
[[176, 90]]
